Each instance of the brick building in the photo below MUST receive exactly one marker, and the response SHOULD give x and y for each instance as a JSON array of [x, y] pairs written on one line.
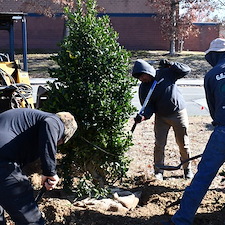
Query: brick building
[[134, 20]]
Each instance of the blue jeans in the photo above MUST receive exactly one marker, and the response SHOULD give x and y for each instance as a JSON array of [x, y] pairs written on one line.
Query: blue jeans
[[212, 159], [17, 196]]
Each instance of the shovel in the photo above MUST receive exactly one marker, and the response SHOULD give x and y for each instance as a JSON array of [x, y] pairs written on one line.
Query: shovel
[[40, 194], [145, 103], [165, 167]]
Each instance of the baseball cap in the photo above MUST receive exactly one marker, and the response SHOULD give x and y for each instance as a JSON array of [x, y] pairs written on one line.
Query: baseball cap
[[69, 123]]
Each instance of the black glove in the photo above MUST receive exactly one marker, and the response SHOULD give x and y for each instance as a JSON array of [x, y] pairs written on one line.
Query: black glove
[[164, 63], [138, 118]]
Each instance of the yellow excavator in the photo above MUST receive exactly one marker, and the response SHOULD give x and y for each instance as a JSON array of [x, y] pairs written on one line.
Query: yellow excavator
[[15, 88]]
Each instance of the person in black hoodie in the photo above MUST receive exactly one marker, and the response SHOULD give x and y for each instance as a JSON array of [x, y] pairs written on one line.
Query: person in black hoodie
[[25, 136], [214, 153], [168, 105]]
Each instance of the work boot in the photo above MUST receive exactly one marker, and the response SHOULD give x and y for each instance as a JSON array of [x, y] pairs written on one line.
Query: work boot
[[188, 174], [166, 223], [159, 176]]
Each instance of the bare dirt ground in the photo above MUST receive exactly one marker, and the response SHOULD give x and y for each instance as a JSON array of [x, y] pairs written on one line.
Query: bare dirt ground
[[156, 196]]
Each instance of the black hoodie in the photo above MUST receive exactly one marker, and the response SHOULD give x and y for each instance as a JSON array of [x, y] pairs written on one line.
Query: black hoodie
[[27, 134], [166, 98], [214, 84]]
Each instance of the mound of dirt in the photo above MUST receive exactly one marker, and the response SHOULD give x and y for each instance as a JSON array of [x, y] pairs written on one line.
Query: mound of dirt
[[159, 199]]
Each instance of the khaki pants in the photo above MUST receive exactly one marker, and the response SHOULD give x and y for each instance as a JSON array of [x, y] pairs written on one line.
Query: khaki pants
[[179, 122]]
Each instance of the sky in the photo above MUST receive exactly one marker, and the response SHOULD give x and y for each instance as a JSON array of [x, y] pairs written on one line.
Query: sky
[[219, 12], [219, 9]]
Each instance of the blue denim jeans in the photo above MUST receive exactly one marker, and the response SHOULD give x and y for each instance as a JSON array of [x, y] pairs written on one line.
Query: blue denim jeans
[[212, 159], [17, 196]]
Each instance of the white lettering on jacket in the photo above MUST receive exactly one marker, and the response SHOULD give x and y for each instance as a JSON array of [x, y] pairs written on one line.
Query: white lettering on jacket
[[220, 76]]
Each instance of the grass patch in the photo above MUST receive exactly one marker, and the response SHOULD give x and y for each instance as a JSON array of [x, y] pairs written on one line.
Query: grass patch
[[39, 64]]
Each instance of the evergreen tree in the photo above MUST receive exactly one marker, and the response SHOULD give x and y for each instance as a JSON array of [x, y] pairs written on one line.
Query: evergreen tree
[[94, 84]]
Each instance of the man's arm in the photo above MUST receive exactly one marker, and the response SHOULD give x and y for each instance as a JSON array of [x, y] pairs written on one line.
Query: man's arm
[[180, 70], [49, 134]]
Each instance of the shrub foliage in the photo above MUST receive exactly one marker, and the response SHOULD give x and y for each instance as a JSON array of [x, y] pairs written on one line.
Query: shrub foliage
[[93, 83]]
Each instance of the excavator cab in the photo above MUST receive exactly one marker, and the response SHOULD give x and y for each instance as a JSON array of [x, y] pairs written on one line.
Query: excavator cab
[[15, 88]]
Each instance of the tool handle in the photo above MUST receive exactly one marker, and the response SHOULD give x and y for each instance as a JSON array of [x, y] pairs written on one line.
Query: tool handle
[[40, 194], [133, 127], [194, 157], [148, 97]]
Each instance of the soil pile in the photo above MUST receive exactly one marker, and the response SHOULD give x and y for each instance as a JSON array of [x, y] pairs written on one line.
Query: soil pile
[[157, 196]]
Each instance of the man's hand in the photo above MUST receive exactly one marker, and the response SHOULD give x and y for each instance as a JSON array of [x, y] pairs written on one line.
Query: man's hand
[[139, 118], [49, 182], [164, 63]]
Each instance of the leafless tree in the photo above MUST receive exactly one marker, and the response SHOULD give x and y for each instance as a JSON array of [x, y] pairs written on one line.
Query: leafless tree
[[177, 17]]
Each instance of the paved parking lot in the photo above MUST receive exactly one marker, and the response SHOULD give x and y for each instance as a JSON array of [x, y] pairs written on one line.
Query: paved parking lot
[[191, 89]]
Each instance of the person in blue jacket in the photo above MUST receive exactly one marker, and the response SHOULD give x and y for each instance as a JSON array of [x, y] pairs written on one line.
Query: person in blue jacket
[[214, 153], [26, 135], [168, 105]]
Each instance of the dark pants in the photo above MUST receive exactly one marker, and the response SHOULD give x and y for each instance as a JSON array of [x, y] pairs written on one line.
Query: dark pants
[[16, 196], [179, 122]]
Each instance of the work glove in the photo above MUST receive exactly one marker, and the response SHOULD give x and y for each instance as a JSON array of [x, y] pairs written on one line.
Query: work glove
[[164, 63], [138, 118]]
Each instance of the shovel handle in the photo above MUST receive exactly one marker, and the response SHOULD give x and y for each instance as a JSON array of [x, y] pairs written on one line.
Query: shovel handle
[[40, 194], [164, 167], [192, 158], [133, 127]]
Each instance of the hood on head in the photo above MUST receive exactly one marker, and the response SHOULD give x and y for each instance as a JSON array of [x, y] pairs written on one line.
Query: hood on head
[[141, 66], [213, 58]]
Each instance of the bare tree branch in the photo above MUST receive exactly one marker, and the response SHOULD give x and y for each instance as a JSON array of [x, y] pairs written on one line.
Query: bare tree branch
[[177, 17]]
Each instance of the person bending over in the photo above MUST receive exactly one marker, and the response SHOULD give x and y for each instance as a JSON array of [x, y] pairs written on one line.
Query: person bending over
[[26, 135]]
